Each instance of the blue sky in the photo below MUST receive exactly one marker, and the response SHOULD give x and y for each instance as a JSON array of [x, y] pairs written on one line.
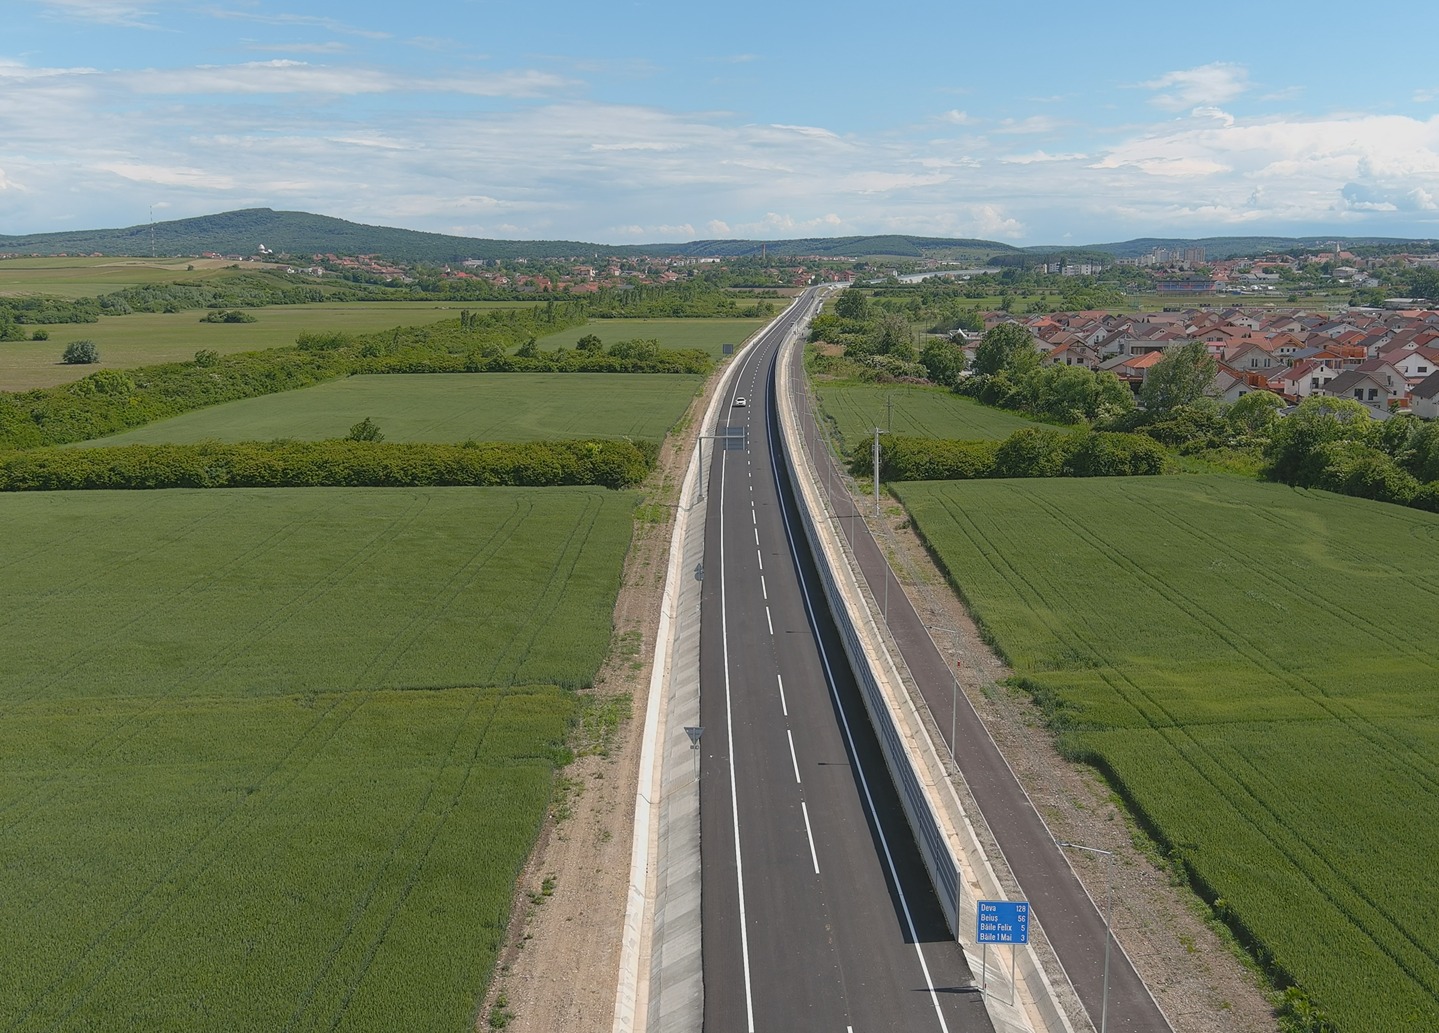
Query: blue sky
[[1041, 123]]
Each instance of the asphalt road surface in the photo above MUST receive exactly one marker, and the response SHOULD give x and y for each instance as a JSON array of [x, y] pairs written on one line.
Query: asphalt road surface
[[1071, 919], [817, 912]]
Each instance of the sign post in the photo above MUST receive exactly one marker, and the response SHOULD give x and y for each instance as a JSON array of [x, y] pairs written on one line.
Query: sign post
[[1001, 921], [694, 732]]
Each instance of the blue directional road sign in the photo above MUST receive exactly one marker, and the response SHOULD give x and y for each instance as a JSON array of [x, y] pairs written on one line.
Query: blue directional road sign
[[1003, 921]]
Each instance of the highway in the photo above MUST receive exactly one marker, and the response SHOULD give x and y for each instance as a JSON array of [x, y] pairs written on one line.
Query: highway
[[817, 913], [1071, 918]]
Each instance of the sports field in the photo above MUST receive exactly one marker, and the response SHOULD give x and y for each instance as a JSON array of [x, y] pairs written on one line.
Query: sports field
[[1254, 667], [272, 759], [854, 409], [147, 338], [444, 407]]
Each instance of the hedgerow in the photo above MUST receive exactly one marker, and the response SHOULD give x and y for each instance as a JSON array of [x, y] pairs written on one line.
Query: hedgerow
[[311, 464], [477, 342], [665, 361], [105, 403], [1031, 452]]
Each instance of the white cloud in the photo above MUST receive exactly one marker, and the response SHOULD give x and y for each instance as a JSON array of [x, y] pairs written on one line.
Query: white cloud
[[167, 175], [1040, 156], [809, 132], [1209, 111], [330, 47], [103, 12], [284, 76], [1275, 171], [514, 153], [879, 182], [1209, 84], [1033, 124]]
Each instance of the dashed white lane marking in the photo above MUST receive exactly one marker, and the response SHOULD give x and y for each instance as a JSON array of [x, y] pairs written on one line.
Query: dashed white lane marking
[[813, 854], [733, 778], [764, 591], [768, 621], [792, 758], [761, 560], [783, 706], [889, 863], [756, 537]]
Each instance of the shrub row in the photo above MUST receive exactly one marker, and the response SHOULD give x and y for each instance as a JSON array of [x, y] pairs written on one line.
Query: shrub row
[[109, 401], [312, 464], [664, 361], [1031, 452]]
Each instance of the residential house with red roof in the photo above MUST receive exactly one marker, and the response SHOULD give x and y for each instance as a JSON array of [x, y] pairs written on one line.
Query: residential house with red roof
[[1299, 381], [1376, 383]]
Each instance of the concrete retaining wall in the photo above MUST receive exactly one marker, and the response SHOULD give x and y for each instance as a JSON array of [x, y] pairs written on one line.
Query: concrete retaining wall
[[958, 867]]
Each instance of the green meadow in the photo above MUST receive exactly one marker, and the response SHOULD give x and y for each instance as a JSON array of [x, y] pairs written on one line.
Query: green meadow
[[1254, 669], [272, 759], [708, 335], [443, 407], [854, 409], [90, 277], [148, 338]]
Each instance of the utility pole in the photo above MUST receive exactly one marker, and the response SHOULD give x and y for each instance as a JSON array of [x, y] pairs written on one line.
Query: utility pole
[[877, 433], [1108, 930]]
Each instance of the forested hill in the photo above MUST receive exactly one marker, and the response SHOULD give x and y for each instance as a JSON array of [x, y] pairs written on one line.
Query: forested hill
[[1216, 248], [301, 233], [242, 233], [294, 233]]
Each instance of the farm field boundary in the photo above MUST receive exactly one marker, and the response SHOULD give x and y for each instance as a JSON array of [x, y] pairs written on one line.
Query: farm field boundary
[[1219, 649]]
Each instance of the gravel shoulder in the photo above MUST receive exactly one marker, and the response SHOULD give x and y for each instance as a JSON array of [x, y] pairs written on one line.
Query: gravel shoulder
[[560, 962]]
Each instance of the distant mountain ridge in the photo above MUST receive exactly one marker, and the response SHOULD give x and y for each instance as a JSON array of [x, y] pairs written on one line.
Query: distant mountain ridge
[[302, 233]]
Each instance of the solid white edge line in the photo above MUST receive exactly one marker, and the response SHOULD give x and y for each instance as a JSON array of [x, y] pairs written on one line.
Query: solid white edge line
[[849, 739], [733, 781], [793, 759], [813, 854]]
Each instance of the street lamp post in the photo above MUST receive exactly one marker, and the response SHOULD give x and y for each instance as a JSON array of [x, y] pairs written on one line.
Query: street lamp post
[[1108, 933]]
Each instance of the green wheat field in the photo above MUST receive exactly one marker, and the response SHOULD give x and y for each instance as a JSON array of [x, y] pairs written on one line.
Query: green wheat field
[[272, 760], [1257, 668]]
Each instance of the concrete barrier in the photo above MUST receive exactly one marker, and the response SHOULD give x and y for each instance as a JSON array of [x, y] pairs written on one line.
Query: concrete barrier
[[952, 854]]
